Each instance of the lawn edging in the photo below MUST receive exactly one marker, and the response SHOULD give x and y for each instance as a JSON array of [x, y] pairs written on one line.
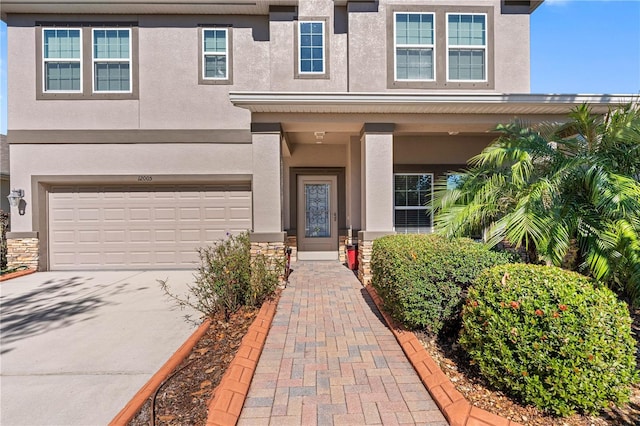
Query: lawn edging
[[16, 274], [229, 396], [456, 409]]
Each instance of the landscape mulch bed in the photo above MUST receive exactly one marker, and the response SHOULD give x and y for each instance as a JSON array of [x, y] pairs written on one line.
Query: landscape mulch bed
[[183, 397]]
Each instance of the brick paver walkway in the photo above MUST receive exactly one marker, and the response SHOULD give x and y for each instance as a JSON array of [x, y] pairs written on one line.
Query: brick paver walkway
[[330, 359]]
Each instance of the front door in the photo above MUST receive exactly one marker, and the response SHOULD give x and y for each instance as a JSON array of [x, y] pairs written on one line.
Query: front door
[[317, 214]]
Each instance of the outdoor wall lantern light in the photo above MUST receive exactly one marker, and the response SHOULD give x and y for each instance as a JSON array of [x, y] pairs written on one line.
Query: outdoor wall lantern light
[[15, 197]]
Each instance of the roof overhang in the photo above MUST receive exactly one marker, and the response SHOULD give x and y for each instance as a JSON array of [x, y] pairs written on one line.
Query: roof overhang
[[411, 103], [520, 6], [231, 7]]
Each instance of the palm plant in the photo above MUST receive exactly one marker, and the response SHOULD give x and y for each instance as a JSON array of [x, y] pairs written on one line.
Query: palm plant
[[556, 188]]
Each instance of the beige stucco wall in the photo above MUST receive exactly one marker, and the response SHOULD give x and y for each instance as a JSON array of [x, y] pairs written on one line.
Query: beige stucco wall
[[368, 46], [127, 160], [169, 95], [263, 59], [4, 173], [442, 149], [282, 49]]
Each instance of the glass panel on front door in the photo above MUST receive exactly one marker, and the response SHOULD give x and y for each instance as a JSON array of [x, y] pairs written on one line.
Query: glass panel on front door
[[317, 210]]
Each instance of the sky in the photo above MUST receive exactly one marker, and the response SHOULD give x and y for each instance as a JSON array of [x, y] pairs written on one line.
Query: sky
[[577, 46], [586, 46]]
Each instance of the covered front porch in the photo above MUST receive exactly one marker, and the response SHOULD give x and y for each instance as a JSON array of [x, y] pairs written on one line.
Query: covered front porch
[[336, 169]]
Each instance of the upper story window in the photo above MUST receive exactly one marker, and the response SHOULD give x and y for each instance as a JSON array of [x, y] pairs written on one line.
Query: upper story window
[[215, 44], [414, 46], [311, 45], [440, 47], [112, 60], [62, 60], [467, 47], [82, 61], [413, 193], [215, 54]]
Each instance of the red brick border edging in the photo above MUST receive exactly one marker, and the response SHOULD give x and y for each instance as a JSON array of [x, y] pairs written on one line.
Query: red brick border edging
[[228, 397], [457, 410], [16, 274], [126, 414]]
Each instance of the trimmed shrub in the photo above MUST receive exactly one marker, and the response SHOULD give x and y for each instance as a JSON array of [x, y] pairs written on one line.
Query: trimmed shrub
[[422, 278], [550, 337], [228, 278]]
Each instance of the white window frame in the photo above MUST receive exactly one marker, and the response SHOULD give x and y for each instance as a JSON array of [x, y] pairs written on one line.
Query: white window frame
[[324, 48], [225, 54], [469, 47], [49, 60], [428, 229], [413, 46], [94, 60]]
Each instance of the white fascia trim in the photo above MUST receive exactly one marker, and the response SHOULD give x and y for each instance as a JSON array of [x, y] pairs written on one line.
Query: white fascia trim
[[238, 97], [252, 100]]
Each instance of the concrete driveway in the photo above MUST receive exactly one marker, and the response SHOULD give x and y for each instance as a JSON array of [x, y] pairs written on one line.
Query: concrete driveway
[[76, 346]]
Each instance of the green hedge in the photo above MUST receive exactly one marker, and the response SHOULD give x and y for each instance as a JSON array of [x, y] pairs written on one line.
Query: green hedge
[[421, 278], [550, 337]]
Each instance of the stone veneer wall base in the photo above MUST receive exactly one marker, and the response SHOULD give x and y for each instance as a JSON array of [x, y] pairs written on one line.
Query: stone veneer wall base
[[23, 252]]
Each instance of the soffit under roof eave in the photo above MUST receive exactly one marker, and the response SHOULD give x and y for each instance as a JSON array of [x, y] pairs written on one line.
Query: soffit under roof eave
[[411, 103]]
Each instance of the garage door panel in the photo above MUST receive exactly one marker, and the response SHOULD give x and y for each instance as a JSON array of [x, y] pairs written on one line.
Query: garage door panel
[[120, 227], [115, 258], [114, 214], [165, 213], [141, 258], [65, 237], [215, 235], [89, 194], [140, 213], [190, 235], [189, 213], [139, 236], [91, 236], [89, 258], [239, 213], [89, 215], [119, 236], [62, 215], [215, 213]]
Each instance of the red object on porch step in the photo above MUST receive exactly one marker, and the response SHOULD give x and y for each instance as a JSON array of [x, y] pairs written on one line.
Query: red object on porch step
[[352, 256]]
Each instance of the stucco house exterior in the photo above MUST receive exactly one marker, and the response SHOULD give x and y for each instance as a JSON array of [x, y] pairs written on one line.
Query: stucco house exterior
[[140, 131], [4, 173]]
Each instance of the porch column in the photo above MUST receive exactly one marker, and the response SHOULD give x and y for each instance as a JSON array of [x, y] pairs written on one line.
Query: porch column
[[376, 191], [267, 237]]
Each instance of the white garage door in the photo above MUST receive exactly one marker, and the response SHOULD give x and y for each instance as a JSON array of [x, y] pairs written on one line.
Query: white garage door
[[145, 227]]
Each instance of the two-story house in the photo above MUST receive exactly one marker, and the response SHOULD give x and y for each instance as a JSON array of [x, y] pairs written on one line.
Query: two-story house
[[140, 131]]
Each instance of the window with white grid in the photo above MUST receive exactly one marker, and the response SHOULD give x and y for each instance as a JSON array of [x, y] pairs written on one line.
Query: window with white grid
[[414, 40], [111, 51], [466, 47], [215, 54], [413, 193], [62, 60]]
